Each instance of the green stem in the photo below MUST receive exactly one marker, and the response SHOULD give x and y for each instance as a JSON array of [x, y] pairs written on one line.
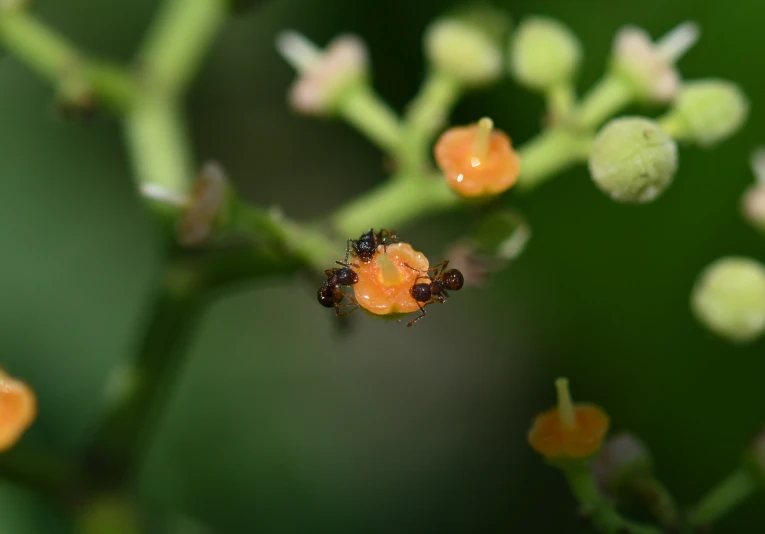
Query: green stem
[[158, 146], [560, 101], [368, 113], [118, 443], [305, 244], [550, 152], [603, 516], [182, 32], [426, 115], [55, 58], [724, 497], [606, 98], [394, 203]]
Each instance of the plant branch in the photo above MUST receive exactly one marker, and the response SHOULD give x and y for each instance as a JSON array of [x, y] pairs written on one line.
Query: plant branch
[[602, 514], [182, 32], [55, 58], [721, 499]]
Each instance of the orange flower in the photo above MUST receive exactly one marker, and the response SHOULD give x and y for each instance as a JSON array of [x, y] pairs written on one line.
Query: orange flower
[[568, 431], [384, 282], [476, 160], [18, 408]]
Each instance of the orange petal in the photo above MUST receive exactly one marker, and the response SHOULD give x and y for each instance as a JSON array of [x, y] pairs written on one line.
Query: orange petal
[[18, 409], [384, 282], [550, 438]]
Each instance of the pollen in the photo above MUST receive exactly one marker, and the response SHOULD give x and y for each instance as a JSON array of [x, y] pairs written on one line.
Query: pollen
[[477, 160], [384, 283]]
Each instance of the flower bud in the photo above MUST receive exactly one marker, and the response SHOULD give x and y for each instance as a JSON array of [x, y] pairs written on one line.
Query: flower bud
[[623, 460], [707, 112], [468, 45], [545, 53], [325, 76], [729, 298], [633, 160], [649, 68]]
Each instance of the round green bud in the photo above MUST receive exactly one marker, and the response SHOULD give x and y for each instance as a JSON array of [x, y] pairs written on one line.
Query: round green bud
[[633, 160], [708, 111], [729, 298], [544, 53], [467, 46]]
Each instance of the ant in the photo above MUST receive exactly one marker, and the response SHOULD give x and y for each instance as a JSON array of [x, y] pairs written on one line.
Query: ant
[[330, 295], [365, 247], [441, 279]]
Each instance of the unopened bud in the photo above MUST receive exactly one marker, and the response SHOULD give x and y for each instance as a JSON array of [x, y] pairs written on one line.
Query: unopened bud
[[468, 45], [729, 298], [633, 160], [623, 460], [545, 53], [707, 112]]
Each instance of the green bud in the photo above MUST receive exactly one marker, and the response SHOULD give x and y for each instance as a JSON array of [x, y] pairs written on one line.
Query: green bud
[[467, 45], [633, 160], [544, 54], [208, 208], [729, 298], [707, 112]]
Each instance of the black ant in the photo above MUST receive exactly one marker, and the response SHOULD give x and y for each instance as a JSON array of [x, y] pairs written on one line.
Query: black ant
[[365, 247], [441, 279], [330, 295]]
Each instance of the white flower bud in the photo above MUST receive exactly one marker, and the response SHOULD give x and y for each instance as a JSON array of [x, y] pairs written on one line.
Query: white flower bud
[[633, 160], [729, 298], [545, 53]]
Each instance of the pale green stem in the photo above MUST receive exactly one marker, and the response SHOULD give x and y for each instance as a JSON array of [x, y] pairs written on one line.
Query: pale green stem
[[55, 58], [550, 152], [609, 96], [560, 101], [724, 497], [598, 510], [177, 41], [158, 144], [369, 114], [674, 125], [427, 114], [395, 203]]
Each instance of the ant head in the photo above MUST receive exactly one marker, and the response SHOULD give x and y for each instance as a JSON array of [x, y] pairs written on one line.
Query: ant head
[[366, 246], [420, 292], [453, 279], [346, 276], [329, 296]]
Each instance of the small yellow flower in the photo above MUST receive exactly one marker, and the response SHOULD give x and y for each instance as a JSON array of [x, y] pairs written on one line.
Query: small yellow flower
[[18, 409]]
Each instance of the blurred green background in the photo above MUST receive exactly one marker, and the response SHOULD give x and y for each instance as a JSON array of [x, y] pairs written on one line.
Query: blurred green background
[[281, 423]]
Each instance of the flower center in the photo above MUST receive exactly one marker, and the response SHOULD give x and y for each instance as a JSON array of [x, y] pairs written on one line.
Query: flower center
[[389, 272]]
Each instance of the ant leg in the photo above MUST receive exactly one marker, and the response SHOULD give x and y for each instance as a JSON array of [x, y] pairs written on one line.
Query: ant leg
[[348, 247], [384, 235], [423, 314], [346, 264], [439, 268], [414, 268], [345, 305], [351, 302]]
